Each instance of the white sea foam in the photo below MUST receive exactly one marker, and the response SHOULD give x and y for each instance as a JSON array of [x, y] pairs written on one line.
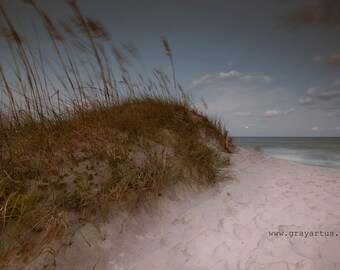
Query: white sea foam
[[323, 152]]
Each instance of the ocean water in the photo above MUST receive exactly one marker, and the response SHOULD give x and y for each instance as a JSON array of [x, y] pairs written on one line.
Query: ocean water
[[314, 151]]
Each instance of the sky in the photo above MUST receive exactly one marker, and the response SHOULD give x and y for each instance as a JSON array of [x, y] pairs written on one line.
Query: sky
[[265, 67]]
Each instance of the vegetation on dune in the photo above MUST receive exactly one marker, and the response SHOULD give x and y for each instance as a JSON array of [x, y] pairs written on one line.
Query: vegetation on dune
[[77, 140]]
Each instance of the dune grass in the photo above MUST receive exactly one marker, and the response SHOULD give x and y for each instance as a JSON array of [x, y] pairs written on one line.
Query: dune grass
[[77, 140]]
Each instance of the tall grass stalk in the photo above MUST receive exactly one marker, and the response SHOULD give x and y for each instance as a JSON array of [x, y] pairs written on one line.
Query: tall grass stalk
[[80, 134]]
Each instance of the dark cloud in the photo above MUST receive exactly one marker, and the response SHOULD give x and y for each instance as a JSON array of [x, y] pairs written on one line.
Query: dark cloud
[[305, 101], [329, 96], [325, 12], [330, 92], [334, 114], [334, 60], [331, 60]]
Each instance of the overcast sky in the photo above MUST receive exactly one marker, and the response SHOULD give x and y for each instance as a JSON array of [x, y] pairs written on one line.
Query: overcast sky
[[267, 67]]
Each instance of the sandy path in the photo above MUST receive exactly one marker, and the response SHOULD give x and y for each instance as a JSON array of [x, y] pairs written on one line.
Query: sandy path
[[227, 227]]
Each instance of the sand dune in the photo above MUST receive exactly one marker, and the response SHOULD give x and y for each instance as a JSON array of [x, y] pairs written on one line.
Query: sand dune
[[227, 227]]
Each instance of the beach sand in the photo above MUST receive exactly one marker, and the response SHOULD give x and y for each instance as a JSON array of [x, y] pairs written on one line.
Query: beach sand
[[227, 226]]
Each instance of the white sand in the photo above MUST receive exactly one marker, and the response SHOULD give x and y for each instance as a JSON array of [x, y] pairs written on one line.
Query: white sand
[[226, 227]]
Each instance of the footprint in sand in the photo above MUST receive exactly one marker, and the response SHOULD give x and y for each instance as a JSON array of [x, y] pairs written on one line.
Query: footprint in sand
[[220, 224], [331, 250], [269, 266], [282, 183], [260, 223], [297, 187], [243, 200], [220, 251], [265, 187], [304, 265], [176, 255], [241, 232], [221, 266], [115, 266], [289, 194], [332, 200], [331, 181], [104, 244], [309, 182], [261, 190], [309, 248], [181, 220], [190, 249]]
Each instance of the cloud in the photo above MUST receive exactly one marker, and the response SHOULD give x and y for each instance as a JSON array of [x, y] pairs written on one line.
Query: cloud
[[251, 78], [319, 59], [311, 91], [272, 113], [329, 95], [329, 106], [329, 92], [334, 114], [325, 12], [232, 75], [331, 60], [275, 113], [315, 128], [334, 60], [200, 81], [306, 100], [249, 126], [288, 111], [242, 114], [337, 128]]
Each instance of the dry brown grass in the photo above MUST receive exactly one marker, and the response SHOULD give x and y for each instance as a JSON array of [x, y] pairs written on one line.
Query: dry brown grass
[[77, 142]]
